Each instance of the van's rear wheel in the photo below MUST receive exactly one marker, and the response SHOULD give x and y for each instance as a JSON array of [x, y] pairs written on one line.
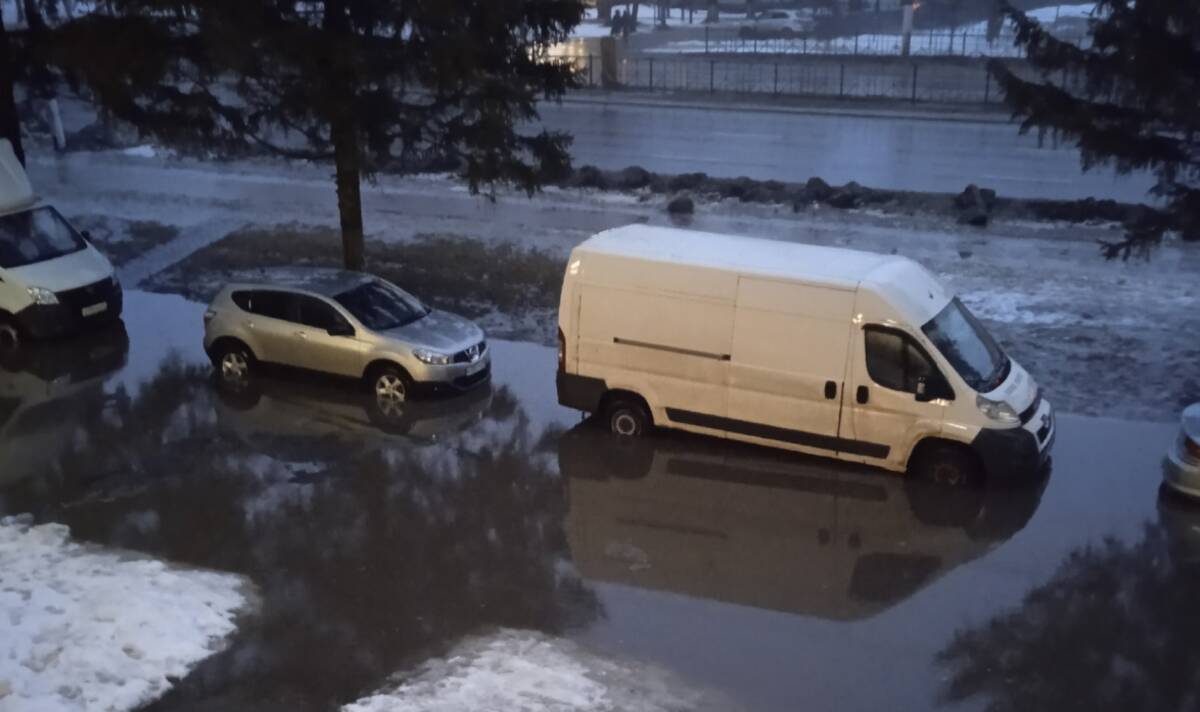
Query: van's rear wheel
[[628, 418], [948, 465]]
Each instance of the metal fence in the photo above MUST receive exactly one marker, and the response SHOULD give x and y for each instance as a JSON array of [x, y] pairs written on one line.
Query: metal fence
[[923, 43], [961, 81]]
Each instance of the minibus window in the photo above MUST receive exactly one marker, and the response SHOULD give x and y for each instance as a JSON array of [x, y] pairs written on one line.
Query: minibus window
[[968, 346], [36, 236]]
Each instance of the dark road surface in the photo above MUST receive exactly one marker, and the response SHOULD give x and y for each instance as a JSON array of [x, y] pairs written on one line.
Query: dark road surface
[[768, 581], [881, 152]]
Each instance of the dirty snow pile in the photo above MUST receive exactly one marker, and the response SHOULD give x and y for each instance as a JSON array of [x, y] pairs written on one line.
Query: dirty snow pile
[[86, 628], [524, 671]]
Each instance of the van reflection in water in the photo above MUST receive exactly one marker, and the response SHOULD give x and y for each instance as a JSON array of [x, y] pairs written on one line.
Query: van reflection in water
[[46, 390], [769, 529]]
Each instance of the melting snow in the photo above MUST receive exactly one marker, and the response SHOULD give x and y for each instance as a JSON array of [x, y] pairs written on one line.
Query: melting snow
[[523, 671], [86, 628]]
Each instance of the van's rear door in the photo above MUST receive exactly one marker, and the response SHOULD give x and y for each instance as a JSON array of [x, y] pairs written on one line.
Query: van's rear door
[[788, 364]]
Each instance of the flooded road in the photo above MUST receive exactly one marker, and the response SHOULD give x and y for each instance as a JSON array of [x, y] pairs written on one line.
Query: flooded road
[[490, 552]]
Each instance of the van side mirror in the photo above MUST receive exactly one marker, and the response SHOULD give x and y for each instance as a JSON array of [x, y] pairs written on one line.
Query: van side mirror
[[928, 390], [342, 329]]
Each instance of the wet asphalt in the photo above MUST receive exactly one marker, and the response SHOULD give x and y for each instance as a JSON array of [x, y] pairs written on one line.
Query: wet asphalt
[[775, 581]]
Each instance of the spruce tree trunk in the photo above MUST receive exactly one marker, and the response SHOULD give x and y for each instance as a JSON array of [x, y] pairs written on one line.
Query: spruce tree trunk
[[349, 196], [10, 124]]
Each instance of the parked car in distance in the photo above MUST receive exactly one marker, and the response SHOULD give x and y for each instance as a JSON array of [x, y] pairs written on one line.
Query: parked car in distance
[[346, 324], [834, 352], [1181, 469], [53, 281]]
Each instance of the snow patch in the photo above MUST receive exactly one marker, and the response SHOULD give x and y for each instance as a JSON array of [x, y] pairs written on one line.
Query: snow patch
[[145, 151], [88, 628], [524, 671]]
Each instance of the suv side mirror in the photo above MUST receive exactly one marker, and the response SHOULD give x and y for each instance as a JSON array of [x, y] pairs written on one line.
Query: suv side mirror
[[86, 235], [342, 329]]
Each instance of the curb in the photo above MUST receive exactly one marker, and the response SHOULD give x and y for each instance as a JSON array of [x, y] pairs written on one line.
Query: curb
[[733, 104]]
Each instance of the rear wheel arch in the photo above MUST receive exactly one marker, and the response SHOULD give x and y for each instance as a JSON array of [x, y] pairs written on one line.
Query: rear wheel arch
[[626, 412]]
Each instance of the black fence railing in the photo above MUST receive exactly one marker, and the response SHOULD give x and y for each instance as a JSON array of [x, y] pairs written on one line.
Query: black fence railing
[[828, 77]]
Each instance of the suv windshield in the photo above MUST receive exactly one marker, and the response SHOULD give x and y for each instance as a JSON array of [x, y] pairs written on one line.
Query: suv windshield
[[380, 306], [36, 236], [968, 347]]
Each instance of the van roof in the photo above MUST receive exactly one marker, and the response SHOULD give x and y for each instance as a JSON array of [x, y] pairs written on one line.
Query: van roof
[[15, 190], [749, 255]]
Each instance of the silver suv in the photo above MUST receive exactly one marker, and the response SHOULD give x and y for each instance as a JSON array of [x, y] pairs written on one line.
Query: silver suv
[[347, 324]]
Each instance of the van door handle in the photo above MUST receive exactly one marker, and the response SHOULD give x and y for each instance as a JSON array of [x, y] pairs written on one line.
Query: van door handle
[[863, 395], [830, 390]]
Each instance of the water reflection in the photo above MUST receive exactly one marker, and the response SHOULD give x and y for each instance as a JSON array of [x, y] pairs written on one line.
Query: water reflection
[[768, 529], [366, 559], [1116, 628], [46, 390], [270, 409]]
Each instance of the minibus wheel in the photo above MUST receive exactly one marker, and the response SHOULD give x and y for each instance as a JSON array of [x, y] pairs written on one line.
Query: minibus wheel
[[947, 465], [628, 417]]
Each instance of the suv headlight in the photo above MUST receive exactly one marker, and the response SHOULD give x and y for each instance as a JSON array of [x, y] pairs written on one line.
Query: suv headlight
[[997, 410], [41, 295], [433, 358]]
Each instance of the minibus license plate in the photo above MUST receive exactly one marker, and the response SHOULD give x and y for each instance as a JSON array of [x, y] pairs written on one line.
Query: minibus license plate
[[95, 309]]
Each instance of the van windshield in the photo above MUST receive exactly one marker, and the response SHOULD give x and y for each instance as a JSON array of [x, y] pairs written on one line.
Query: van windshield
[[968, 347], [380, 306], [36, 236]]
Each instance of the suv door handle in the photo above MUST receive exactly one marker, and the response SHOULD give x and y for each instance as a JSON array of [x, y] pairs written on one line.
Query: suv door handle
[[301, 335], [862, 395], [830, 390]]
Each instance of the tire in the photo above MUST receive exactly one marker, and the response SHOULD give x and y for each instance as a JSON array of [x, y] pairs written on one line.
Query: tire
[[12, 344], [234, 363], [949, 465], [628, 418], [391, 388]]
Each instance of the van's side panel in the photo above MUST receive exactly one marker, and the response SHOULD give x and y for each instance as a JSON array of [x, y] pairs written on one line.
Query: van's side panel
[[662, 331], [789, 362]]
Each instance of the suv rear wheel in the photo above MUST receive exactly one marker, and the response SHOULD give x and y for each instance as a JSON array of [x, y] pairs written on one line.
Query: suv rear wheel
[[234, 362]]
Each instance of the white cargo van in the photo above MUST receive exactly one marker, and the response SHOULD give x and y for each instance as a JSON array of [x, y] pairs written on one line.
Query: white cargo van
[[834, 352], [52, 280]]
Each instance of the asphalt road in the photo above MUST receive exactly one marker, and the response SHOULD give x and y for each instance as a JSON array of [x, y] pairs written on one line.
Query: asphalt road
[[881, 151]]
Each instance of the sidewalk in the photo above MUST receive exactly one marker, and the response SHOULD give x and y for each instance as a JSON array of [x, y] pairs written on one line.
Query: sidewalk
[[869, 108]]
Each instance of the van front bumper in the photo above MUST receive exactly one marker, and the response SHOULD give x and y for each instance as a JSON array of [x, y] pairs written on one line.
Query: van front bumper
[[1017, 453], [47, 321]]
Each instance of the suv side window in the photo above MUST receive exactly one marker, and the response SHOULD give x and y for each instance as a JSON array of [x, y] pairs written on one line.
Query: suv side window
[[242, 299], [894, 361], [271, 304], [317, 314]]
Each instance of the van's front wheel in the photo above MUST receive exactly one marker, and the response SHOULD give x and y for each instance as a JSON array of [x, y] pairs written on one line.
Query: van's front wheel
[[628, 418], [948, 465]]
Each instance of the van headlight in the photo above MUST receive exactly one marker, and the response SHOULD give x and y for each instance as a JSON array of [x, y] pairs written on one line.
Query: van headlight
[[41, 295], [433, 358], [997, 410]]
